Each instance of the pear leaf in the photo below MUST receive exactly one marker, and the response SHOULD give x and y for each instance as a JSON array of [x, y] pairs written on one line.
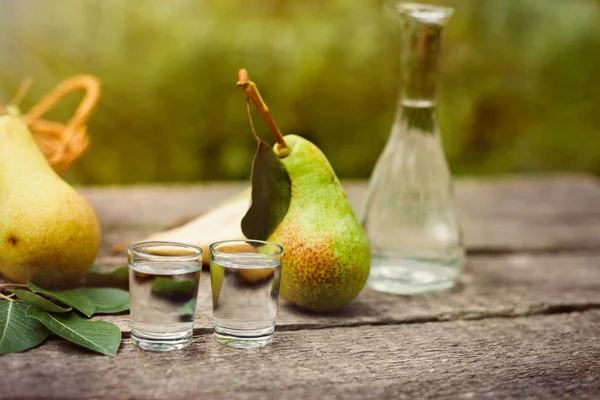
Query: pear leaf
[[104, 277], [72, 297], [107, 300], [100, 336], [17, 332], [271, 194], [39, 301]]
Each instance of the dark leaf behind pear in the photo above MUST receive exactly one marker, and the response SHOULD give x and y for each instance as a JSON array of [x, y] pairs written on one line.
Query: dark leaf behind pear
[[271, 194], [103, 277]]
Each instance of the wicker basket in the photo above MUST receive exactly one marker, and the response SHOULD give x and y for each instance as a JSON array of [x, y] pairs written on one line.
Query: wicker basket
[[62, 144]]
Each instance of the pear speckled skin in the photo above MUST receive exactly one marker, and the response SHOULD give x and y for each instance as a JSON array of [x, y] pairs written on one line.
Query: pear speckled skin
[[327, 256], [48, 232]]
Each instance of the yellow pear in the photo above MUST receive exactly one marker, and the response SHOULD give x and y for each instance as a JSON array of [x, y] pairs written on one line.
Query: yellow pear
[[49, 233]]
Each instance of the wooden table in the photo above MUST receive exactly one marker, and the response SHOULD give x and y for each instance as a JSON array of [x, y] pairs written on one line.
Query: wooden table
[[523, 322]]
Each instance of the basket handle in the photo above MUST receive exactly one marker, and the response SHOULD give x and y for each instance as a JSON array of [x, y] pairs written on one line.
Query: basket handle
[[89, 83]]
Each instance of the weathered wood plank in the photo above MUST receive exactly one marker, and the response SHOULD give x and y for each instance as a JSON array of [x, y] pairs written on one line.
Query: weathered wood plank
[[530, 197], [381, 346], [512, 214], [481, 236], [510, 285], [539, 357]]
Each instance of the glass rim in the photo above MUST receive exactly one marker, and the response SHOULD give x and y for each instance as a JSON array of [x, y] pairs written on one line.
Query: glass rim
[[421, 11], [416, 6], [197, 255], [215, 252]]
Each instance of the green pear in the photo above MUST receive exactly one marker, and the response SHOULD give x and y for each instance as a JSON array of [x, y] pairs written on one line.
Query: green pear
[[327, 254], [49, 233]]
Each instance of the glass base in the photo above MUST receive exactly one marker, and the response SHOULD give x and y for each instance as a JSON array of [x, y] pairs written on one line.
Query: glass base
[[243, 338], [161, 341], [412, 277]]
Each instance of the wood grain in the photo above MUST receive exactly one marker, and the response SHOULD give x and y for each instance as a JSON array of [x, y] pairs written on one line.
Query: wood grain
[[538, 357], [492, 286], [541, 214], [524, 321], [556, 196]]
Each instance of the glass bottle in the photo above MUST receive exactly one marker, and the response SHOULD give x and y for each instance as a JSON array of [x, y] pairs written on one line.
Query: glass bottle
[[409, 212]]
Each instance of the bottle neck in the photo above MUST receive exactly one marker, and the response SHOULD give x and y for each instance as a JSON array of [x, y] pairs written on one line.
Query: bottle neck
[[416, 118], [422, 29]]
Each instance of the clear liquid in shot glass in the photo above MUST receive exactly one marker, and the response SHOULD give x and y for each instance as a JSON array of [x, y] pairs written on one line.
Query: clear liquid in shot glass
[[245, 295], [163, 303]]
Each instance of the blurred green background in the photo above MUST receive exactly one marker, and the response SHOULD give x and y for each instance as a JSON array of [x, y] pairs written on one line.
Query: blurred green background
[[520, 87]]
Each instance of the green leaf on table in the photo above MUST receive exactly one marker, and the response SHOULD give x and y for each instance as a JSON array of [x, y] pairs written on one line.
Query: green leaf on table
[[17, 332], [71, 297], [104, 277], [39, 301], [107, 300], [102, 337]]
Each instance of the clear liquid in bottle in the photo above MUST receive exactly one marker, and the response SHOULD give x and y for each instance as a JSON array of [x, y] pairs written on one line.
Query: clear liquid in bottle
[[409, 212]]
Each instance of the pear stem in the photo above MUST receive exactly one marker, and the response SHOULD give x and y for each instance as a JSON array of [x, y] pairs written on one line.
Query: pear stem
[[2, 296], [8, 297], [2, 285], [253, 95], [251, 120], [21, 91], [11, 108]]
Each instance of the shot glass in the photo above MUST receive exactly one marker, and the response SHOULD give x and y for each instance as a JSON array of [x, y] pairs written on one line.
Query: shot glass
[[244, 276], [163, 290]]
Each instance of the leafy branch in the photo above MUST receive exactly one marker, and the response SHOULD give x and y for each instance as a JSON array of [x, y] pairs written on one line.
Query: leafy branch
[[28, 314]]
